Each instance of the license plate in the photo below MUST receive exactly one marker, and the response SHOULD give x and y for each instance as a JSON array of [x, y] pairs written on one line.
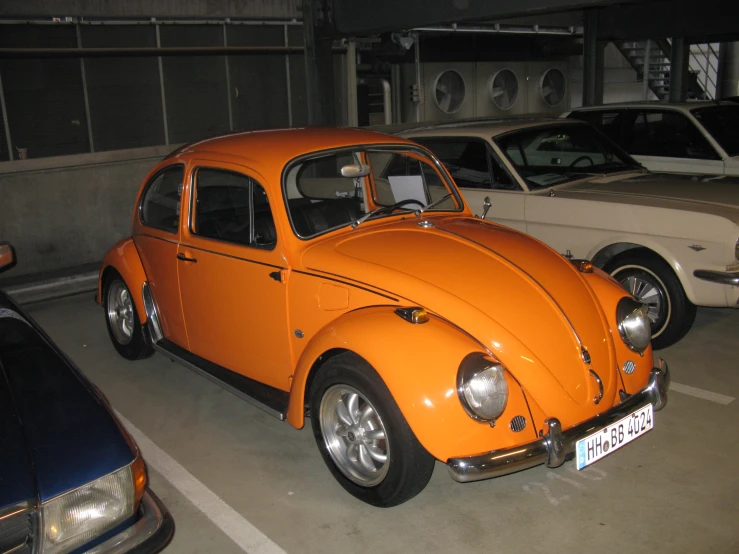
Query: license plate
[[594, 447]]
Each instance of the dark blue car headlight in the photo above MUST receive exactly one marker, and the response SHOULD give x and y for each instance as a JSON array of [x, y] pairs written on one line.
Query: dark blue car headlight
[[76, 517]]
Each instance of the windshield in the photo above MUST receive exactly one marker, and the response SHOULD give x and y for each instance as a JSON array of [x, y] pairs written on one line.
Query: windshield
[[722, 123], [556, 154], [320, 198]]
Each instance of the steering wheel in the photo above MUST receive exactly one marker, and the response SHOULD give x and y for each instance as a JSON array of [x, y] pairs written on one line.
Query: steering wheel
[[581, 158], [401, 204]]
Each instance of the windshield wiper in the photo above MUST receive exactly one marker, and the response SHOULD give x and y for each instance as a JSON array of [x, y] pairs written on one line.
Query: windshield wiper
[[381, 209], [431, 205]]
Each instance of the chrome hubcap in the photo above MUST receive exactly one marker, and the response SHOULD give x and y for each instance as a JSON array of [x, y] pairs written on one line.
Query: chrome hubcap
[[354, 435], [120, 312], [647, 293]]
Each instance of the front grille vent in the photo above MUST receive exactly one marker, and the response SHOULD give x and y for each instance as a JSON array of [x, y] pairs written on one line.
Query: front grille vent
[[16, 533], [629, 367], [518, 424]]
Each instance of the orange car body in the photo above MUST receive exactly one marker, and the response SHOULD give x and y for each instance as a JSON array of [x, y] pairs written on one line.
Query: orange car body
[[274, 315]]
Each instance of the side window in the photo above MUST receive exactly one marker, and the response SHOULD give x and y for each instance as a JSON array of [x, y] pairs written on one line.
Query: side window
[[233, 208], [667, 133], [470, 163], [609, 122], [160, 204]]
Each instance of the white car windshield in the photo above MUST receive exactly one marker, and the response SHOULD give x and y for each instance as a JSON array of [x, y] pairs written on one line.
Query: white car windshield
[[555, 154], [329, 190]]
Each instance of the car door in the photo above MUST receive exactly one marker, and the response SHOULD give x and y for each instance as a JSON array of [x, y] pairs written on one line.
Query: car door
[[233, 275], [667, 141], [156, 235], [478, 173]]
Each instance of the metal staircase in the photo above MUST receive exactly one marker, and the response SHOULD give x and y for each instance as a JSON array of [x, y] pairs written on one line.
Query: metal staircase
[[654, 55]]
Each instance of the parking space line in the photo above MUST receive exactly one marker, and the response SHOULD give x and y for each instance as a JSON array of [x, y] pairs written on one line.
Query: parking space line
[[700, 393], [228, 520]]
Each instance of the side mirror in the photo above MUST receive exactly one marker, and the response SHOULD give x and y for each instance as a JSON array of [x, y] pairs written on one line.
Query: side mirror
[[7, 256], [355, 170], [485, 207]]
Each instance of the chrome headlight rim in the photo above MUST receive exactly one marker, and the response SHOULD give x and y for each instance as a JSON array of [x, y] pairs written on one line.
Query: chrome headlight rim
[[124, 507], [628, 308], [472, 366]]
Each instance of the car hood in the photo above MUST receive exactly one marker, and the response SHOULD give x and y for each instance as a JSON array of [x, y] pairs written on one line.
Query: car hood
[[711, 194], [68, 432], [509, 291]]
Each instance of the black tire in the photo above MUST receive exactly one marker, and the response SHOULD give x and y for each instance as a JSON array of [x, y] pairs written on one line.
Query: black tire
[[408, 467], [676, 317], [138, 346]]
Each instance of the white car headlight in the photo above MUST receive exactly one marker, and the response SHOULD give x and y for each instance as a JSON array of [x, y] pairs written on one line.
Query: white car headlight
[[634, 325], [78, 516], [482, 387]]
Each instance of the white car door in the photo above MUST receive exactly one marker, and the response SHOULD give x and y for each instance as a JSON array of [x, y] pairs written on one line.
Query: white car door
[[478, 173]]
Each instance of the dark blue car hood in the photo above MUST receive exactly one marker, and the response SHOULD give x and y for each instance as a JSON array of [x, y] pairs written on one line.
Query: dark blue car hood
[[61, 433]]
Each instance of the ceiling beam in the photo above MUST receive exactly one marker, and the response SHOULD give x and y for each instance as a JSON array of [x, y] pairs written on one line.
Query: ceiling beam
[[363, 17]]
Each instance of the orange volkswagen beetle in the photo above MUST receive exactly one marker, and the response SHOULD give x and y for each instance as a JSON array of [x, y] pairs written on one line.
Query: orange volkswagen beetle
[[337, 275]]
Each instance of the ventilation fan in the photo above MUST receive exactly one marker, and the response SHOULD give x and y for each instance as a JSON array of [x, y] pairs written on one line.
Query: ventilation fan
[[449, 91], [503, 89], [553, 86]]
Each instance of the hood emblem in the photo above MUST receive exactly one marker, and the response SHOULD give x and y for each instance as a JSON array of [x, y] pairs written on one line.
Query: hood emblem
[[585, 355], [596, 399], [425, 224], [697, 247]]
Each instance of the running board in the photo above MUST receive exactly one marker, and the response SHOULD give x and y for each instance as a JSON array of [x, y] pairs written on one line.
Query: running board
[[269, 399]]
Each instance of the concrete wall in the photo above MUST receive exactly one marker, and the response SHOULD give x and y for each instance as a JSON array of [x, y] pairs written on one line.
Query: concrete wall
[[619, 80], [67, 211]]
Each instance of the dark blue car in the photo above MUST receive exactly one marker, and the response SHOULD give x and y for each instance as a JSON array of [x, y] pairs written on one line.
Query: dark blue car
[[71, 477]]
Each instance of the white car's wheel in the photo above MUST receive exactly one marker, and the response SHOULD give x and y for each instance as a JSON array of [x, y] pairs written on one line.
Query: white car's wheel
[[652, 281]]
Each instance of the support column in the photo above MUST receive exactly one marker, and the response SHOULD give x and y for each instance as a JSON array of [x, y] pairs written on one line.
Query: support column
[[319, 67], [727, 83], [679, 58], [593, 54]]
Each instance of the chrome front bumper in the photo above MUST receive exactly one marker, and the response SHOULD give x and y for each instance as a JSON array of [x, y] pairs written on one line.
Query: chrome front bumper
[[151, 533], [557, 444], [721, 277]]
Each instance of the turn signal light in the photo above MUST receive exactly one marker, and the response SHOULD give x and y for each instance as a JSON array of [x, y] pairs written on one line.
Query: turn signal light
[[413, 315]]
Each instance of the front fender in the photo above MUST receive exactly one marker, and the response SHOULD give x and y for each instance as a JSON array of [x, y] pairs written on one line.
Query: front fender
[[418, 364], [124, 258]]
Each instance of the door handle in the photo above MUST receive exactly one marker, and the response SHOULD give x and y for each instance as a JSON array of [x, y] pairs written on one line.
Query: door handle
[[186, 259]]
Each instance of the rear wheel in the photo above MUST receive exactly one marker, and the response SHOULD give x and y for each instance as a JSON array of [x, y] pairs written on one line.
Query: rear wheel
[[122, 319], [362, 435], [652, 281]]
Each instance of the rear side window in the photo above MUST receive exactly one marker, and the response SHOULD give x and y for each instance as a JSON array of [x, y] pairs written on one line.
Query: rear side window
[[160, 204], [232, 207], [666, 133], [470, 163], [609, 122]]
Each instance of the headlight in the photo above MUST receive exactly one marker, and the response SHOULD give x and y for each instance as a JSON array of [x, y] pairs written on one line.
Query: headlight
[[482, 387], [81, 515], [634, 324]]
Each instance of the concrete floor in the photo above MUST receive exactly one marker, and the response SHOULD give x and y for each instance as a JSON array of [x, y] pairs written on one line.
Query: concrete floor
[[674, 490]]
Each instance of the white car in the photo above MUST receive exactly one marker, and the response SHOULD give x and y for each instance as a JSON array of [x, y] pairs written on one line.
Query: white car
[[695, 137], [671, 240]]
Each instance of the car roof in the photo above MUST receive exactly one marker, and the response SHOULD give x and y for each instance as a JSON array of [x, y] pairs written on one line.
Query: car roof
[[282, 145], [684, 106], [483, 127]]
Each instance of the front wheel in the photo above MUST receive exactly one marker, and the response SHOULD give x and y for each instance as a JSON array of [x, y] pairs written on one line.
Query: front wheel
[[362, 435], [122, 319], [652, 281]]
